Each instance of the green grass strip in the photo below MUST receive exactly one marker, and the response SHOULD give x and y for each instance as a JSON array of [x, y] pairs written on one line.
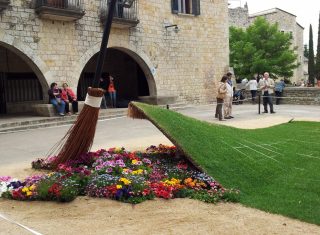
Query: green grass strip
[[277, 169]]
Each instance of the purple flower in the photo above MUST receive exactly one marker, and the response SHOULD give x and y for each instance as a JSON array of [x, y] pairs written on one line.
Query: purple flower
[[111, 163], [109, 170], [146, 160]]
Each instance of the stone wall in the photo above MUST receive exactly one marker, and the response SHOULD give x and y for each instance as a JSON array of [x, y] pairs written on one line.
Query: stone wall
[[239, 17], [186, 64], [298, 96]]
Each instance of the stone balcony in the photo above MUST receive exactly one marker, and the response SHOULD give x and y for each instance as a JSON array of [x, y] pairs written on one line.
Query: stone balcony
[[123, 17], [4, 4], [63, 10]]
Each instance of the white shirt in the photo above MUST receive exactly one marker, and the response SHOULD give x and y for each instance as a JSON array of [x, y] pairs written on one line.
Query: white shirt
[[229, 90], [244, 83], [253, 85], [266, 82]]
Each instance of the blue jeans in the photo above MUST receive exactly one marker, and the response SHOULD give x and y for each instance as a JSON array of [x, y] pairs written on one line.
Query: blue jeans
[[59, 107], [113, 98]]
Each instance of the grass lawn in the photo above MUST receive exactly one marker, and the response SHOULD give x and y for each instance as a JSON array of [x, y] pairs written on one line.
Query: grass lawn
[[276, 169]]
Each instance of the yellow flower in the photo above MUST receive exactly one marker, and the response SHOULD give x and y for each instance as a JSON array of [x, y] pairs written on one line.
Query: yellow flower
[[29, 193], [137, 172], [25, 189], [125, 181], [134, 161], [172, 182], [32, 187], [119, 186]]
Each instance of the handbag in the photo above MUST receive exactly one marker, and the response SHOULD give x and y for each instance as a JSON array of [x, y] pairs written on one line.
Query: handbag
[[221, 95]]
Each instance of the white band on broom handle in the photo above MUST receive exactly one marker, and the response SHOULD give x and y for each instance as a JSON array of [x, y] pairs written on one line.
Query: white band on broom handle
[[92, 101]]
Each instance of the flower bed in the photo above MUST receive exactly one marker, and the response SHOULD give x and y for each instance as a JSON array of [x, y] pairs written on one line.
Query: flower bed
[[120, 175]]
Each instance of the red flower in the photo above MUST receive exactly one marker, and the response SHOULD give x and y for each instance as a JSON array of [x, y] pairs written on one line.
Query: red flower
[[55, 190], [111, 191]]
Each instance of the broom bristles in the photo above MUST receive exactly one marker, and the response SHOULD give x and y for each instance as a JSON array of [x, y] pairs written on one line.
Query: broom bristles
[[134, 112], [79, 137]]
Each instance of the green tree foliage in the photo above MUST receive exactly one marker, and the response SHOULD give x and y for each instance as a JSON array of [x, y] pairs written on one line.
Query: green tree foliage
[[317, 68], [311, 66], [262, 47], [306, 51]]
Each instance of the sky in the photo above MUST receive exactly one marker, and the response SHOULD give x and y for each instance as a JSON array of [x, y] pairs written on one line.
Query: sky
[[307, 12]]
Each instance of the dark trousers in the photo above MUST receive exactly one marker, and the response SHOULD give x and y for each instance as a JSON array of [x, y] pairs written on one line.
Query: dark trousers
[[219, 109], [253, 95], [267, 99], [74, 107], [278, 96]]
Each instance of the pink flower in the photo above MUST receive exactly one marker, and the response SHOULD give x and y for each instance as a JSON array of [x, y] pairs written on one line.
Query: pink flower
[[5, 178]]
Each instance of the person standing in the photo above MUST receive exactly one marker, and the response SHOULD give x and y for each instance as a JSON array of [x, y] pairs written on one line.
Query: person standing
[[112, 92], [278, 90], [68, 96], [253, 86], [267, 85], [221, 93], [103, 85], [227, 105], [55, 98]]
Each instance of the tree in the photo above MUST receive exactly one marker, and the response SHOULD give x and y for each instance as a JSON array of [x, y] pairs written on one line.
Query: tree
[[317, 68], [262, 47], [306, 51], [311, 66]]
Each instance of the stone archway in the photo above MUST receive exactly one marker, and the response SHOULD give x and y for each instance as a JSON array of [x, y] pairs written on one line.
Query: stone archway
[[29, 56], [139, 56], [22, 82]]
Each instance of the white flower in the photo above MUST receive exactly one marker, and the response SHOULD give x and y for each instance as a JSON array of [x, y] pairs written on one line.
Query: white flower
[[3, 187]]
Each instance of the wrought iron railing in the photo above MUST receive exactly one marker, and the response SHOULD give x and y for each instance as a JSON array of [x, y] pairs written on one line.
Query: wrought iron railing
[[120, 11], [62, 4]]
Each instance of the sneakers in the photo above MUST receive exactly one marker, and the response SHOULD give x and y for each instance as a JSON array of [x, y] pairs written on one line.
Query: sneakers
[[61, 114], [227, 117]]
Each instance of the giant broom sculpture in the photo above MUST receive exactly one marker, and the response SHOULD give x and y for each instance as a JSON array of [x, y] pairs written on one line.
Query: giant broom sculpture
[[79, 138]]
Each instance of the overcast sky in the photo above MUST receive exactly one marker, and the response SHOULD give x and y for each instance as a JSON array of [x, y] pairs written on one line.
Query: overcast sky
[[307, 12]]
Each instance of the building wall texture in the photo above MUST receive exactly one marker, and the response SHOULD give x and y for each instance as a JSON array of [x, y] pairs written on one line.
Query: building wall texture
[[287, 23], [186, 64]]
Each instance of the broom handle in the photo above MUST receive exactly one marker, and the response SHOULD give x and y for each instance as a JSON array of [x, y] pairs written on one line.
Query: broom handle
[[104, 43]]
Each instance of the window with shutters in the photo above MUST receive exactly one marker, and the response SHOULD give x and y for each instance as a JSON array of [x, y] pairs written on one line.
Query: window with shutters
[[191, 7]]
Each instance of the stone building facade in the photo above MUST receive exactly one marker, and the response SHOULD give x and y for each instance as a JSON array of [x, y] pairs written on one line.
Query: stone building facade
[[287, 23], [157, 50]]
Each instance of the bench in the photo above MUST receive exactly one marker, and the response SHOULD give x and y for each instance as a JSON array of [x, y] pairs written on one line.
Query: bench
[[48, 110]]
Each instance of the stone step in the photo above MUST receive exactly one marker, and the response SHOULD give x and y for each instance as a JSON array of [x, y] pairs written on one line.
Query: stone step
[[52, 124], [55, 121], [104, 114]]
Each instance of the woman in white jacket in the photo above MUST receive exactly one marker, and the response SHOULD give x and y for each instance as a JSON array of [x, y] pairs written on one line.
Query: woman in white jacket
[[253, 86]]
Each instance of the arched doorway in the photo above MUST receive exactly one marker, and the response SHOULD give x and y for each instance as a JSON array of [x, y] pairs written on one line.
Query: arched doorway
[[130, 77], [20, 85]]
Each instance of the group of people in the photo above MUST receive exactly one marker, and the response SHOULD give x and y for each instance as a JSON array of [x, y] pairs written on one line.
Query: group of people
[[60, 98], [225, 98], [225, 93], [108, 86]]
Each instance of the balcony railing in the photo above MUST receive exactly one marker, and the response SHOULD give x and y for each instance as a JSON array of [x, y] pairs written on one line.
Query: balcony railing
[[123, 17], [4, 4], [66, 10]]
